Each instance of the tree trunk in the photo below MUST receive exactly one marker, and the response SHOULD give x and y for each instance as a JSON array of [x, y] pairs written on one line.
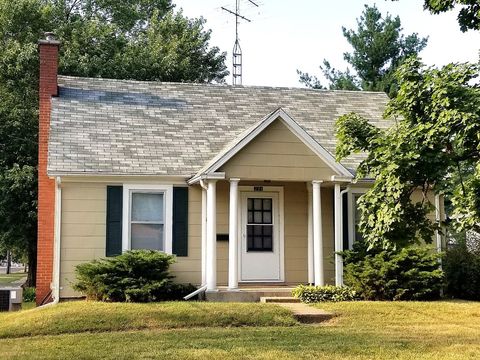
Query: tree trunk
[[32, 268], [9, 262]]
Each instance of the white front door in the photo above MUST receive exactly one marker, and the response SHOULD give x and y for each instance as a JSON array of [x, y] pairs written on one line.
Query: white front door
[[260, 245]]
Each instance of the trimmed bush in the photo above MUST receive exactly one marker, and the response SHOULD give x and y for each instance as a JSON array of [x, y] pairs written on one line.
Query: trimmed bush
[[411, 273], [462, 273], [313, 294], [134, 276]]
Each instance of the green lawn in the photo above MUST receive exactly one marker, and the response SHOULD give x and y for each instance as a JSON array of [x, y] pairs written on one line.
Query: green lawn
[[362, 330], [7, 279]]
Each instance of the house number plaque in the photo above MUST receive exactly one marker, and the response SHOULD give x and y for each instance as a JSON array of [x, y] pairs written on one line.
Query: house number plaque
[[258, 188]]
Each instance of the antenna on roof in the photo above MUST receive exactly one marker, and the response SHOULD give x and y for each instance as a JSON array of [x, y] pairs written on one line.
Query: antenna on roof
[[237, 50]]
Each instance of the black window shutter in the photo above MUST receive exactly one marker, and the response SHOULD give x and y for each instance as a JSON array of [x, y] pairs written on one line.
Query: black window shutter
[[180, 221], [114, 220]]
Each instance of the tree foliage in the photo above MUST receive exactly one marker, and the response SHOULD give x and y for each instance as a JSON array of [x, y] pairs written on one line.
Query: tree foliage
[[434, 143], [468, 16], [129, 39], [379, 47]]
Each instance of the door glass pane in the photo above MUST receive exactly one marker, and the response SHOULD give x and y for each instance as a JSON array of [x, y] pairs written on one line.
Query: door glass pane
[[267, 204], [257, 217], [267, 242], [267, 230], [147, 207], [147, 236], [259, 238], [267, 217], [257, 204]]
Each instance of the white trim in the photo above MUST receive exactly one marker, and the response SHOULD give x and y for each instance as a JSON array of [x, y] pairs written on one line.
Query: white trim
[[247, 136], [266, 189], [168, 212], [121, 178], [336, 178], [209, 176]]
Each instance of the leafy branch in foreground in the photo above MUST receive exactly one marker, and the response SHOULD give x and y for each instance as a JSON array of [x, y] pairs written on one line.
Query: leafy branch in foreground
[[434, 144]]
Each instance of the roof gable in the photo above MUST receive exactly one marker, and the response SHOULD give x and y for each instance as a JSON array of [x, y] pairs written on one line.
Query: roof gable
[[245, 138]]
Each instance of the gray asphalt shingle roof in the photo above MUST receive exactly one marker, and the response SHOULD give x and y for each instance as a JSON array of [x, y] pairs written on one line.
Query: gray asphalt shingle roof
[[120, 127]]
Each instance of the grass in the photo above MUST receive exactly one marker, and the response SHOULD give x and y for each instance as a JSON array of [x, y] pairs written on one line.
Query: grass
[[7, 279], [361, 330]]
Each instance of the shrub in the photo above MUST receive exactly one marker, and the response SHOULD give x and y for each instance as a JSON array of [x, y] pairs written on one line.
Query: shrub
[[134, 276], [411, 273], [312, 294], [462, 273], [29, 294]]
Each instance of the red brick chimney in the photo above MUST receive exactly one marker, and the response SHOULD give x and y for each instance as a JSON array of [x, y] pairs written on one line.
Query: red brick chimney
[[48, 49]]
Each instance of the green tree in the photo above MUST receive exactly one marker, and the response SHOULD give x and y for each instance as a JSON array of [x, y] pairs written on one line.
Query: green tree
[[433, 145], [129, 39], [379, 47], [468, 16]]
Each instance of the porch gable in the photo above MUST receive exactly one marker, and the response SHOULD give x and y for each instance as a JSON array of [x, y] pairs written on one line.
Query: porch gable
[[276, 148]]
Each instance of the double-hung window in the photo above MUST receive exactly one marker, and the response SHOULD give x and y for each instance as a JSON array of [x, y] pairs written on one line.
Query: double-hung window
[[148, 211]]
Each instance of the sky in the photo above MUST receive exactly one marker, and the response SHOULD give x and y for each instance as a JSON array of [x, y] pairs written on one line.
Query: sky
[[286, 35]]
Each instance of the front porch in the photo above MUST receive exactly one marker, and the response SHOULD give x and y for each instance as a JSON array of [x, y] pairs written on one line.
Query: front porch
[[272, 209], [306, 221]]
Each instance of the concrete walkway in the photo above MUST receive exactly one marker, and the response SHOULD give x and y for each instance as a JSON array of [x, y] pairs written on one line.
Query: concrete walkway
[[303, 313]]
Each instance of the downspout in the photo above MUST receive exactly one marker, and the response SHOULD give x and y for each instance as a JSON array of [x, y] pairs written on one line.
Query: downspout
[[202, 287], [56, 244]]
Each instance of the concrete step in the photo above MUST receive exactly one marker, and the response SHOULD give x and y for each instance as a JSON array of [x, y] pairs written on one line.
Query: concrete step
[[279, 299], [246, 294], [307, 314]]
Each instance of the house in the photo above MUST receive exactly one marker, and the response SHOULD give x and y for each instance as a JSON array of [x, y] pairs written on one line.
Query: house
[[240, 183]]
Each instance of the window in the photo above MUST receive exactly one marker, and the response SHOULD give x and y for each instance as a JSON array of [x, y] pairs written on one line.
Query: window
[[148, 211], [356, 217], [259, 224], [147, 222]]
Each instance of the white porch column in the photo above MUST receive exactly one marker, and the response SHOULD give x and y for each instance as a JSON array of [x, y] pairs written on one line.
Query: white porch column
[[319, 279], [204, 236], [311, 277], [211, 268], [338, 235], [233, 235]]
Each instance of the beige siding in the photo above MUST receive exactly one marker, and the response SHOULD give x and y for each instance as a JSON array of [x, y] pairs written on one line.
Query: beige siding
[[277, 154], [188, 269], [83, 232], [83, 229]]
